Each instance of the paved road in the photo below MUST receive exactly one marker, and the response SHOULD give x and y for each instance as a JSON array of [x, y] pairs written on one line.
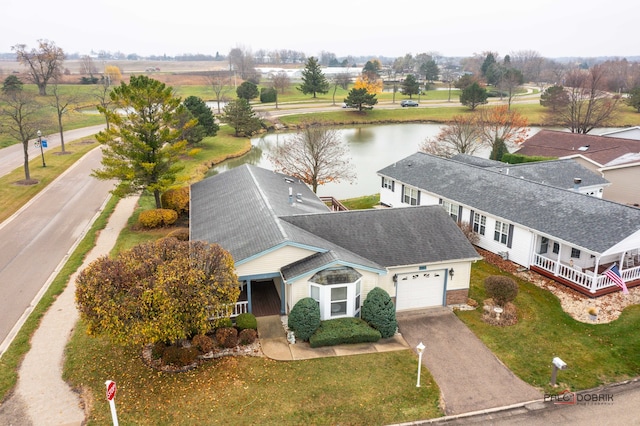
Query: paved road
[[617, 405], [35, 242]]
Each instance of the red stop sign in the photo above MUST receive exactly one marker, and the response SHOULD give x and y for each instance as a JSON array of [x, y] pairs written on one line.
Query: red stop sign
[[111, 390]]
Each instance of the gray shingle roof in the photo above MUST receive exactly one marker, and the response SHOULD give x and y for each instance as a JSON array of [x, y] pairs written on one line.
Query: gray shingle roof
[[392, 237], [585, 221], [238, 209], [559, 173]]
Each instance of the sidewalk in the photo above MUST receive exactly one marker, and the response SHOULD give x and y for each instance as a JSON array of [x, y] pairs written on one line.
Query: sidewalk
[[41, 396]]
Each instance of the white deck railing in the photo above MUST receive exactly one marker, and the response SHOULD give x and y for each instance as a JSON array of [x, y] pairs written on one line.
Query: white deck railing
[[582, 279], [231, 310]]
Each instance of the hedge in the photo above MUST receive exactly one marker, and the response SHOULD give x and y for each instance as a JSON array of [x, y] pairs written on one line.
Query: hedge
[[343, 330]]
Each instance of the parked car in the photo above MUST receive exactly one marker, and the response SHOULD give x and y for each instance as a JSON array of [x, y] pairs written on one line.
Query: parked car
[[408, 103]]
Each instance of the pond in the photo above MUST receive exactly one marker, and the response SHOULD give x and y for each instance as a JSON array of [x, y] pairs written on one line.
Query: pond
[[372, 147]]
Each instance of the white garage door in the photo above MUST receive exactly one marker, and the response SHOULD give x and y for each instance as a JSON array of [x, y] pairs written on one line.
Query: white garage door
[[420, 290]]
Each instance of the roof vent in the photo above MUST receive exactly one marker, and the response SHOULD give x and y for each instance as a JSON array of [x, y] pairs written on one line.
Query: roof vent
[[576, 184]]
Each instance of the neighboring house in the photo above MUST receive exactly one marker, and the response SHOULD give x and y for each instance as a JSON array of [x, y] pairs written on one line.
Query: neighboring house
[[288, 245], [627, 133], [561, 233], [617, 159], [565, 174]]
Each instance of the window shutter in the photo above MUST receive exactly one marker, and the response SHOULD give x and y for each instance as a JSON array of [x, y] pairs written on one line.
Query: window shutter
[[402, 195], [393, 185], [382, 182], [418, 202], [459, 213], [471, 217], [440, 201], [510, 237]]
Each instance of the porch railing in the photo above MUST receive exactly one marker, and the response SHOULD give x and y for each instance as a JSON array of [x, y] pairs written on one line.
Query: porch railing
[[582, 279], [231, 310]]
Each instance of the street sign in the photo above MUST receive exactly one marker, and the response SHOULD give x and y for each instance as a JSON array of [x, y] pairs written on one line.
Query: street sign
[[111, 390], [111, 394], [36, 144], [44, 143]]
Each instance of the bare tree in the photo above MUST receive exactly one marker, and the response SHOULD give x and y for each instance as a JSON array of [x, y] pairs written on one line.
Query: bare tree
[[501, 127], [529, 63], [19, 115], [220, 82], [343, 80], [280, 81], [589, 105], [62, 103], [103, 95], [87, 66], [461, 136], [316, 155], [45, 63]]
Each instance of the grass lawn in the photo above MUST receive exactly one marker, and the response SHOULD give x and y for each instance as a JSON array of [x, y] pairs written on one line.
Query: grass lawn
[[370, 389], [595, 353]]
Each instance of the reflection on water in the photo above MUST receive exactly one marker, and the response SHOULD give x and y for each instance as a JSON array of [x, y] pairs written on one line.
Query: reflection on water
[[372, 147]]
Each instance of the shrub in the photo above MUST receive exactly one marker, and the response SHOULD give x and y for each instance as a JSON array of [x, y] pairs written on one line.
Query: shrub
[[247, 336], [181, 234], [304, 318], [203, 343], [379, 312], [227, 337], [343, 330], [158, 350], [268, 94], [223, 323], [176, 199], [246, 321], [501, 289], [175, 355], [157, 217]]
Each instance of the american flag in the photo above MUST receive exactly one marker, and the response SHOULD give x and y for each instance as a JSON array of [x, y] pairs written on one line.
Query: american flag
[[614, 275]]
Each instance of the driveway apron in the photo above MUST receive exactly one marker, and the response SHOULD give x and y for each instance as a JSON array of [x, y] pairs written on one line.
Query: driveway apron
[[469, 375]]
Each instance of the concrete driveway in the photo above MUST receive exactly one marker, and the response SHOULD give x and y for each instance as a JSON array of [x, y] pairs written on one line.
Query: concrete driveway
[[470, 377]]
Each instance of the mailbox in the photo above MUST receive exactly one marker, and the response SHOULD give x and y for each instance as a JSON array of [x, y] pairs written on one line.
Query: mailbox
[[560, 364]]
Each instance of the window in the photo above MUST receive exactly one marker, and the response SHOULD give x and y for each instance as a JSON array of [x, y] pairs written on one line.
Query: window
[[338, 301], [501, 233], [337, 291], [544, 245], [387, 183], [452, 209], [556, 248], [575, 253], [410, 196], [479, 223], [315, 293]]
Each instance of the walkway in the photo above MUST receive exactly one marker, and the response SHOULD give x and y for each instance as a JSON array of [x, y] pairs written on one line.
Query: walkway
[[41, 397]]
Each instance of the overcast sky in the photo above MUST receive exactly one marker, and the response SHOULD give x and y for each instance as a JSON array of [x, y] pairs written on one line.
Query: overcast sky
[[553, 28]]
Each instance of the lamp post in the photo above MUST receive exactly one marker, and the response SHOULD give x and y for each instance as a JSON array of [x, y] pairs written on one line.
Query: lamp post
[[420, 349], [41, 150]]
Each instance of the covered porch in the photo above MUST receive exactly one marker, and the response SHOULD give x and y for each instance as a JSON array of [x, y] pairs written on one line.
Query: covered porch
[[584, 272]]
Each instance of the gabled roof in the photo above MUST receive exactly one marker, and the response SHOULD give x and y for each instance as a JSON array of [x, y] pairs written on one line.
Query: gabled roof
[[242, 206], [248, 212], [588, 222], [599, 149], [392, 237], [558, 173]]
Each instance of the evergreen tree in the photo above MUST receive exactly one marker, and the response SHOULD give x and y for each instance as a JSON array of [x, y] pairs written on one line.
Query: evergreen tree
[[633, 100], [203, 113], [410, 86], [473, 96], [359, 98], [239, 115], [143, 144], [247, 90], [313, 79]]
